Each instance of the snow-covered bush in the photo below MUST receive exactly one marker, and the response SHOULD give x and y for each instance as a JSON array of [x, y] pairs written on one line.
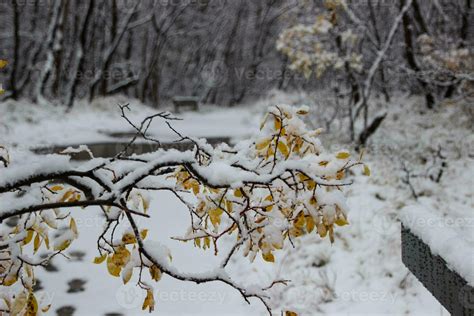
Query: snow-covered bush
[[265, 191], [321, 46], [447, 64]]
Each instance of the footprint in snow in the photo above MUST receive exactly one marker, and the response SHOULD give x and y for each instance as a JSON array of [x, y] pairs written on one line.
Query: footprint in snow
[[76, 285], [65, 310]]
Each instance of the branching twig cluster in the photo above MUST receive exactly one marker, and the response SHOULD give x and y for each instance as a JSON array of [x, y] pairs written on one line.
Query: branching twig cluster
[[275, 187]]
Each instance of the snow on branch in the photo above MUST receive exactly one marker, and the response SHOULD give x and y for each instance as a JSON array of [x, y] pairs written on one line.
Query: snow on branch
[[267, 190]]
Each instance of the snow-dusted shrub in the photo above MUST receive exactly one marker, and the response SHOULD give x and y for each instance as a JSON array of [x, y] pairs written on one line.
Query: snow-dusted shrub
[[446, 63], [323, 45], [457, 60], [265, 191]]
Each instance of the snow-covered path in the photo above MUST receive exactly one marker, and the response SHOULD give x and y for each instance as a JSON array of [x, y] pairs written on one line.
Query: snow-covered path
[[105, 294]]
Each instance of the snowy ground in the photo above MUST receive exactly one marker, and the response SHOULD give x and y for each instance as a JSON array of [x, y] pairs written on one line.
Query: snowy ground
[[361, 273]]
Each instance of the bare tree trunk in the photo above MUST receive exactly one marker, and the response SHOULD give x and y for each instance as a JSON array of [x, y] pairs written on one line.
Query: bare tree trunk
[[160, 41], [79, 65], [34, 50], [419, 18], [227, 54], [109, 52], [16, 47], [50, 41], [58, 50], [379, 42], [410, 57]]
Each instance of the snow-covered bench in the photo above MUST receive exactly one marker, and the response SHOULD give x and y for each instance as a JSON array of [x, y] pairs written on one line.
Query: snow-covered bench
[[188, 102], [440, 259]]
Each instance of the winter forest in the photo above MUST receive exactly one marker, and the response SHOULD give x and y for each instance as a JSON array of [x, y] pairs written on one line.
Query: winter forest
[[236, 157]]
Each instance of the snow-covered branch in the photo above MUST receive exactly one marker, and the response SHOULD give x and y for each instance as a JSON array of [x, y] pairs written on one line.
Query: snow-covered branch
[[277, 186]]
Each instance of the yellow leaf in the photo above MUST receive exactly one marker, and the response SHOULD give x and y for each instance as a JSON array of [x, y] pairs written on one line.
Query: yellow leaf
[[283, 149], [238, 193], [196, 188], [299, 220], [343, 155], [31, 306], [29, 270], [309, 223], [322, 231], [197, 242], [155, 273], [263, 121], [290, 313], [63, 245], [146, 203], [323, 163], [112, 268], [46, 241], [229, 206], [340, 175], [303, 110], [263, 144], [99, 260], [9, 280], [269, 198], [149, 301], [67, 196], [341, 221], [128, 239], [303, 177], [46, 308], [29, 237], [77, 197], [36, 243], [73, 226], [144, 233], [296, 232], [278, 245], [19, 304], [215, 216], [121, 256], [207, 242], [268, 257], [127, 275], [298, 144], [277, 123], [56, 188], [3, 63], [270, 152], [331, 234], [366, 171]]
